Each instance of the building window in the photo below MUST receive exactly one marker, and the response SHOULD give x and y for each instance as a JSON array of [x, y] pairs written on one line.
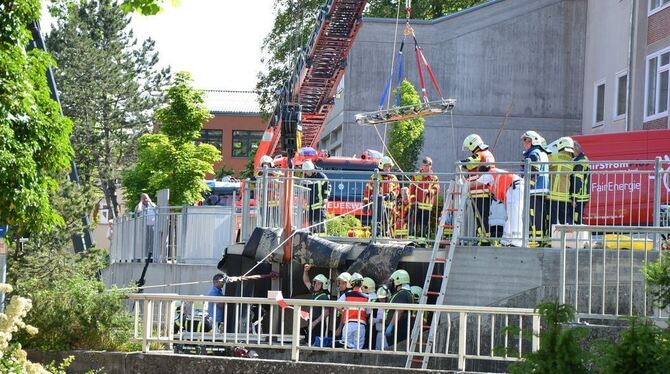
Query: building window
[[656, 5], [656, 92], [621, 95], [245, 142], [212, 137], [599, 104]]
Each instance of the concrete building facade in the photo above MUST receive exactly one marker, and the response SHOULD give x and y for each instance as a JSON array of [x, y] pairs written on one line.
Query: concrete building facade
[[513, 65], [621, 37]]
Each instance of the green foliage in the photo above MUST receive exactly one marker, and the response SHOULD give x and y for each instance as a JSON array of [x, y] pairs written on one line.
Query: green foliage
[[34, 145], [224, 171], [340, 226], [421, 9], [249, 171], [144, 7], [657, 275], [560, 350], [78, 313], [171, 159], [109, 86], [643, 348], [406, 137]]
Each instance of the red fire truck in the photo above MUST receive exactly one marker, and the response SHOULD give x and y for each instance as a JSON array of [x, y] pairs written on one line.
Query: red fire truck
[[623, 188]]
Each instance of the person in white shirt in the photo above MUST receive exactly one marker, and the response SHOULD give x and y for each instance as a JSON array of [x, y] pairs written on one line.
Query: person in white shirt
[[147, 210]]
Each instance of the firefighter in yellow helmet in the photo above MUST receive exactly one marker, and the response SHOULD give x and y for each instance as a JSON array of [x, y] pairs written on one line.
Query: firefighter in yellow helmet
[[397, 321], [319, 191], [319, 286], [580, 185], [389, 189], [480, 196]]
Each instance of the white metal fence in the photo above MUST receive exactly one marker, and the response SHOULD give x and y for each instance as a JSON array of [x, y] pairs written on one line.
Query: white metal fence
[[465, 333], [194, 234], [407, 205], [601, 269]]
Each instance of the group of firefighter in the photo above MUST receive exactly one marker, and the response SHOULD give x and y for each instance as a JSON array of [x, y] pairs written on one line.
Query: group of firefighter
[[558, 187], [356, 327]]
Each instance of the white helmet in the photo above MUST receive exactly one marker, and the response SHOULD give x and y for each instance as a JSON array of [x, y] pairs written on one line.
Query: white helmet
[[308, 165], [267, 160], [386, 160], [474, 141], [344, 277], [565, 144], [535, 138]]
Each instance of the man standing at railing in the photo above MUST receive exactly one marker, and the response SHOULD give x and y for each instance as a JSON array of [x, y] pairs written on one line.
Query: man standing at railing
[[539, 186], [355, 318], [560, 200], [423, 191], [480, 196], [147, 209], [319, 287], [397, 320], [580, 186], [386, 196], [215, 310], [319, 191]]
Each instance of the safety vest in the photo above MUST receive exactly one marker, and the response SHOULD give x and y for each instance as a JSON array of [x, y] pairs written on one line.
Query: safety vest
[[539, 178], [472, 164], [580, 187], [388, 185], [355, 314], [321, 295], [502, 180], [560, 179], [423, 190]]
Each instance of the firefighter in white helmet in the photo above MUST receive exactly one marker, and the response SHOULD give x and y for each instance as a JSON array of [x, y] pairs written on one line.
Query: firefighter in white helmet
[[536, 151], [379, 318], [561, 167], [389, 189], [319, 191], [355, 318], [479, 196], [319, 286]]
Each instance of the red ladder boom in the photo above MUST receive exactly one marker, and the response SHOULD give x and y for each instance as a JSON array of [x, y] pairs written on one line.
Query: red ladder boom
[[317, 73]]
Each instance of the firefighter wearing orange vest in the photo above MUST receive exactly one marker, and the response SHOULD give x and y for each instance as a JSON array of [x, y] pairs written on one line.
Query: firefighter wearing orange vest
[[401, 213], [423, 191], [507, 188], [355, 319], [479, 195], [386, 196]]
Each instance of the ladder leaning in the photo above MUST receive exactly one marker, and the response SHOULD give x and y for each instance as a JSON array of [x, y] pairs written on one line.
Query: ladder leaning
[[454, 206]]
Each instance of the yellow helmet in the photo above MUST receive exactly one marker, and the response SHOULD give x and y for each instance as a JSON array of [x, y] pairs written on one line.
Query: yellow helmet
[[368, 285], [382, 292], [416, 292], [474, 141], [324, 281], [565, 144], [356, 280], [399, 277]]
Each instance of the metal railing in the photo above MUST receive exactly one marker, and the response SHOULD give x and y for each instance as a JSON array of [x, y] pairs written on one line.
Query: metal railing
[[628, 193], [466, 333], [601, 266], [194, 234]]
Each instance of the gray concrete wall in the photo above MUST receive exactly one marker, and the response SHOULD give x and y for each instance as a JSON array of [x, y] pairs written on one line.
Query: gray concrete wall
[[523, 54]]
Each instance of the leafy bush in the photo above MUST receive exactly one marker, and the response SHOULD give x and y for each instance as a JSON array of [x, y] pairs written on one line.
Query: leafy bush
[[657, 275], [642, 348], [79, 313], [340, 226], [560, 350]]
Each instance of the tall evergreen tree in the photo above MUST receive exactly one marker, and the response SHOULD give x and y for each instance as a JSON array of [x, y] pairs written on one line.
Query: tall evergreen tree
[[110, 85]]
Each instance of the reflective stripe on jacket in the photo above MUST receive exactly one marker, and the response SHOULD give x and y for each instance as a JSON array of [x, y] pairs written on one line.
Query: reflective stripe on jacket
[[423, 190], [560, 179], [473, 164], [539, 177], [580, 187]]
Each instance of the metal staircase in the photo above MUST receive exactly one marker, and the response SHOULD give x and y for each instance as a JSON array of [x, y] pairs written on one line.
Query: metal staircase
[[454, 206]]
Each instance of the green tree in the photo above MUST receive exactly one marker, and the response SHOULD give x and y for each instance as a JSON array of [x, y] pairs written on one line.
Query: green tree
[[34, 146], [560, 351], [294, 23], [171, 159], [109, 85], [406, 137], [657, 274], [642, 348]]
